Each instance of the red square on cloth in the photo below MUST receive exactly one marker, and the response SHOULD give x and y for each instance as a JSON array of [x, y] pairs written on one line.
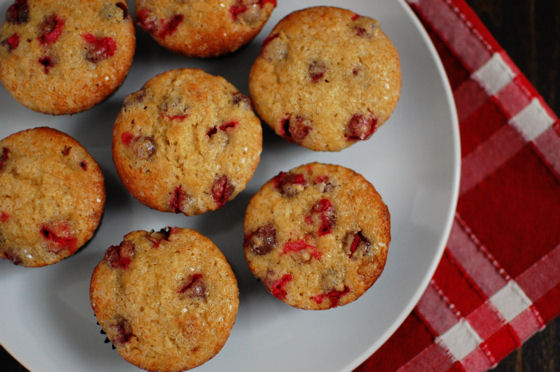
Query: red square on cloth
[[514, 212]]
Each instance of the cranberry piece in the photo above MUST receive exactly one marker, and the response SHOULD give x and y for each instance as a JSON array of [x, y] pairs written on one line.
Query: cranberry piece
[[124, 9], [323, 183], [12, 42], [228, 125], [120, 256], [83, 165], [124, 331], [170, 27], [127, 138], [162, 234], [174, 109], [328, 215], [222, 190], [99, 48], [262, 240], [18, 12], [59, 237], [194, 287], [289, 184], [47, 63], [239, 99], [334, 296], [50, 29], [356, 70], [361, 127], [144, 147], [295, 130], [159, 28], [147, 21], [355, 241], [66, 150], [4, 157], [355, 16], [178, 198], [317, 70], [236, 10], [277, 287], [300, 245], [4, 217], [16, 260], [212, 131], [263, 2]]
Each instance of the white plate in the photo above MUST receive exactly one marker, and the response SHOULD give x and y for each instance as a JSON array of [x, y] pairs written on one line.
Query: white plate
[[46, 319]]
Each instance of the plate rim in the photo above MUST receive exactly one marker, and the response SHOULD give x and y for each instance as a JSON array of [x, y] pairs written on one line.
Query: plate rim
[[454, 194]]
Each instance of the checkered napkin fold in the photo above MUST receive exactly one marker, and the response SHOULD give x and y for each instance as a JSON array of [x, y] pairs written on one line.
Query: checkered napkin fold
[[499, 279]]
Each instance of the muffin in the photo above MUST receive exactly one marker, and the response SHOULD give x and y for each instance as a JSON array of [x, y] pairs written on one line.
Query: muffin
[[326, 78], [203, 28], [52, 196], [186, 142], [60, 57], [317, 236], [166, 300]]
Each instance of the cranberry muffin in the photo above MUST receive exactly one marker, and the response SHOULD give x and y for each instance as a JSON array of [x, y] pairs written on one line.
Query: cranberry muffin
[[52, 196], [317, 236], [60, 57], [166, 300], [326, 78], [186, 142], [203, 28]]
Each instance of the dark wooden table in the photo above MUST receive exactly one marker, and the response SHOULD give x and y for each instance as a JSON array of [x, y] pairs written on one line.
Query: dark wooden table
[[529, 30]]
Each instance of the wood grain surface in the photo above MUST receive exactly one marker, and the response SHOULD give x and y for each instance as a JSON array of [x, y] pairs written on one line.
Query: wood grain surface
[[529, 30]]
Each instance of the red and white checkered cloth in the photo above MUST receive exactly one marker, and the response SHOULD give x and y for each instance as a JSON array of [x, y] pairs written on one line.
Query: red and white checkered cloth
[[499, 279]]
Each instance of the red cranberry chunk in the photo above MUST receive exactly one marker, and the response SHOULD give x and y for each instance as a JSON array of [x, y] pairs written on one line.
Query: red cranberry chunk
[[263, 2], [50, 29], [194, 287], [295, 129], [317, 70], [229, 125], [211, 132], [326, 211], [124, 9], [12, 42], [124, 331], [127, 138], [356, 242], [323, 183], [170, 26], [59, 238], [262, 240], [4, 217], [174, 108], [236, 10], [66, 150], [355, 16], [289, 184], [18, 12], [83, 165], [47, 63], [178, 199], [99, 48], [4, 157], [334, 296], [144, 147], [300, 245], [361, 127], [278, 287], [16, 259], [146, 21], [240, 99], [222, 190], [120, 256]]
